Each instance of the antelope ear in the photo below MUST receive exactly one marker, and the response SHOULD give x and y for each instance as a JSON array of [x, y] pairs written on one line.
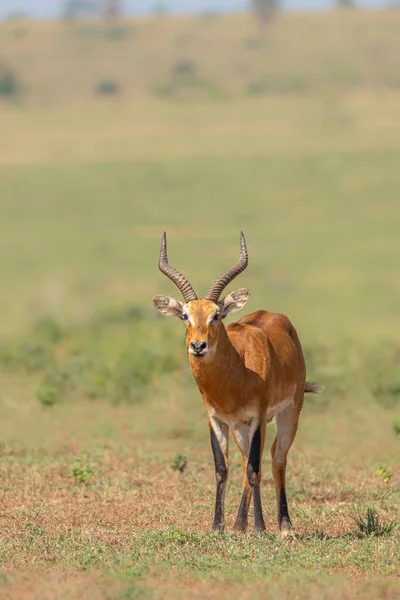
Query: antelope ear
[[167, 305], [234, 301]]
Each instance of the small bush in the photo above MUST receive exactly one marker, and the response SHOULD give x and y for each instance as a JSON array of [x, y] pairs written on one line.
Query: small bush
[[82, 470], [370, 524], [107, 87], [47, 394], [29, 356], [256, 88], [9, 84], [180, 463], [52, 387], [49, 330], [184, 68], [387, 393]]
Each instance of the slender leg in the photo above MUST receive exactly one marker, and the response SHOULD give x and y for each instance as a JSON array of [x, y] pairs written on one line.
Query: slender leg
[[241, 436], [254, 475], [241, 519], [219, 433], [250, 440], [286, 428]]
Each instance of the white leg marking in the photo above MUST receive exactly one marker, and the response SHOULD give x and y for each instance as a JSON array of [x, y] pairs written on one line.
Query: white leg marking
[[243, 435], [221, 430], [284, 428]]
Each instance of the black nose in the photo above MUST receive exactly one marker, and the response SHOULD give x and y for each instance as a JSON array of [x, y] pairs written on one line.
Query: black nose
[[198, 347]]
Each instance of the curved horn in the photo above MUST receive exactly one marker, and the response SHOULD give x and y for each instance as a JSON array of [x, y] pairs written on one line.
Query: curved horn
[[223, 280], [180, 281]]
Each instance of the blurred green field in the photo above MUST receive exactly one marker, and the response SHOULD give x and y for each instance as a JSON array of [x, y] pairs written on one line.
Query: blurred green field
[[294, 138]]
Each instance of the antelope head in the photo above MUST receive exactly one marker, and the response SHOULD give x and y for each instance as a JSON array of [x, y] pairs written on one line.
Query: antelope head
[[202, 316]]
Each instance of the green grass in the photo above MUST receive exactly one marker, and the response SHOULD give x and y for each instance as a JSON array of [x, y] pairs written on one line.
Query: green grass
[[106, 476]]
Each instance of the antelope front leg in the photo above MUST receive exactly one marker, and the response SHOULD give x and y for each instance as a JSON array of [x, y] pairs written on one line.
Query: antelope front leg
[[249, 438], [219, 433], [241, 519]]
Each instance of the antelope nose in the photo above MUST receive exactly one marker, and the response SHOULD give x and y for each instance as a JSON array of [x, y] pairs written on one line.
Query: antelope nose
[[198, 347]]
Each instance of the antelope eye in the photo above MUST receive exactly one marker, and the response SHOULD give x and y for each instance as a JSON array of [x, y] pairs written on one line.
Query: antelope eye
[[184, 317], [216, 317]]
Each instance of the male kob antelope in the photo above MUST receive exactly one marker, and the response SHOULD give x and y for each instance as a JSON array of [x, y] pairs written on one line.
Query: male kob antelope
[[248, 373]]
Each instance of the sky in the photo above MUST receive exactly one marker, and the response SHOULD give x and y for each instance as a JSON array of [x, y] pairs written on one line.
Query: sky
[[53, 8]]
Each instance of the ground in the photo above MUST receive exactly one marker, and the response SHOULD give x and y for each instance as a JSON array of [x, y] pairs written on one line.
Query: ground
[[97, 404]]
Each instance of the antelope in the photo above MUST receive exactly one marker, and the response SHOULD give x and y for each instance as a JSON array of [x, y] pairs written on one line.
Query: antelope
[[247, 373]]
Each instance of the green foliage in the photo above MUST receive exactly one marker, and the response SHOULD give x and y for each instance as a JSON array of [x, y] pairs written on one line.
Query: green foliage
[[314, 181], [10, 86], [160, 8], [396, 427], [386, 473], [370, 524], [48, 393], [179, 463], [184, 68], [27, 356], [73, 9], [72, 364], [82, 469], [346, 3], [108, 87], [264, 9], [184, 82], [48, 330]]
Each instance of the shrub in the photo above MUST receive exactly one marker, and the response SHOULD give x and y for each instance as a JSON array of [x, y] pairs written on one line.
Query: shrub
[[184, 68], [9, 84], [179, 463], [28, 356], [52, 387], [49, 330], [107, 87], [82, 470], [48, 395], [387, 393]]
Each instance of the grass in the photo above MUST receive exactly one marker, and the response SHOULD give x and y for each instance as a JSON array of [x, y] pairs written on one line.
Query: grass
[[371, 524], [106, 476]]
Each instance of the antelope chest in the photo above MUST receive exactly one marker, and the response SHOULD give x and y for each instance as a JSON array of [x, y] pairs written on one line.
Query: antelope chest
[[250, 414], [237, 419]]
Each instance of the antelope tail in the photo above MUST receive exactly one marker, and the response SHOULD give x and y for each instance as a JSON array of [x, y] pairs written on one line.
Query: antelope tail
[[312, 388]]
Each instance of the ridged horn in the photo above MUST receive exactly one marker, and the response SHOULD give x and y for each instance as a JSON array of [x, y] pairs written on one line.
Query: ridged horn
[[223, 280], [179, 280]]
